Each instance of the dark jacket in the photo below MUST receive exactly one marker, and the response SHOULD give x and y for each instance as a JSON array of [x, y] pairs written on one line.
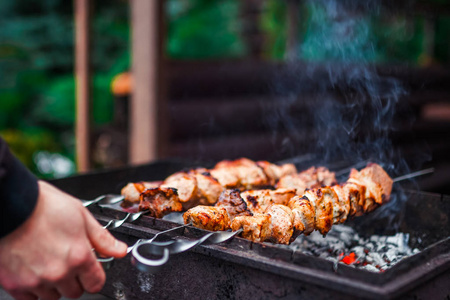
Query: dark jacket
[[18, 191]]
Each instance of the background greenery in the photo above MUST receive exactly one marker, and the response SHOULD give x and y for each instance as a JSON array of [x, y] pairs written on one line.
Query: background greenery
[[37, 105]]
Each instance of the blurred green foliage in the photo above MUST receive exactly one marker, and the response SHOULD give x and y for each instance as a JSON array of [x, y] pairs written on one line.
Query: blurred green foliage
[[204, 29], [399, 39], [37, 90], [273, 23], [21, 142], [37, 86]]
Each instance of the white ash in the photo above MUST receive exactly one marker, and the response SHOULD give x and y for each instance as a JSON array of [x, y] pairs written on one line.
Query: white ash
[[343, 245]]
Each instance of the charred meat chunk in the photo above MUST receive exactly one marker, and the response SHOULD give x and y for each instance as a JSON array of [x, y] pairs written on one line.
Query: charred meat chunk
[[160, 201]]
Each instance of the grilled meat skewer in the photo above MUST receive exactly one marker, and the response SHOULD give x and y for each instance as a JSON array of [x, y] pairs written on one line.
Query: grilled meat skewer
[[245, 174], [317, 209], [308, 179], [203, 186]]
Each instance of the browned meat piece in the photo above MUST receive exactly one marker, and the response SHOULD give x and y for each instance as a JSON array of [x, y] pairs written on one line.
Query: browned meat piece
[[258, 200], [321, 199], [236, 206], [372, 195], [337, 209], [255, 228], [228, 179], [373, 190], [194, 187], [343, 202], [325, 177], [275, 225], [282, 196], [299, 181], [310, 178], [377, 181], [275, 172], [208, 188], [160, 201], [304, 214], [355, 193], [281, 225], [208, 217], [242, 173], [186, 186], [132, 191]]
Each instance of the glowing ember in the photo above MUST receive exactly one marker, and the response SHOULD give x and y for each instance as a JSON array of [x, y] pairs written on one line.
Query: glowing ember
[[344, 245], [349, 259]]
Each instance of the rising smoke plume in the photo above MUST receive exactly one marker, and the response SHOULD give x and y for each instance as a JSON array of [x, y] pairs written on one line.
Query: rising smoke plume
[[352, 109]]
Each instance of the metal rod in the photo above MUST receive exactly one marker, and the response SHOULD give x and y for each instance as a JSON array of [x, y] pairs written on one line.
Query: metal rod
[[414, 174]]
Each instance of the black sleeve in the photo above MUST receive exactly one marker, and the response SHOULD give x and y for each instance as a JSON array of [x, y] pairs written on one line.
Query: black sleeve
[[18, 191]]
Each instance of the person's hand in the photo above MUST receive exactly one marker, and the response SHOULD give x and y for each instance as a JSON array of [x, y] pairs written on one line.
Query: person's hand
[[50, 255]]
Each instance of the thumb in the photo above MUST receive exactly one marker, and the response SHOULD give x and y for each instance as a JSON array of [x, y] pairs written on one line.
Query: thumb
[[102, 240]]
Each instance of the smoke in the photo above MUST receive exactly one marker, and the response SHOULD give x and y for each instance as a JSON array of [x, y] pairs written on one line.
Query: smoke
[[351, 108], [346, 105], [358, 106]]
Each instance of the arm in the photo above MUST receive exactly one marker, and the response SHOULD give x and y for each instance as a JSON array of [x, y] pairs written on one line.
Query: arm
[[49, 253], [18, 191]]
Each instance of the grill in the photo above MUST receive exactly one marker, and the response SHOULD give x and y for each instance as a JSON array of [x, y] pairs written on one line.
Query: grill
[[242, 269]]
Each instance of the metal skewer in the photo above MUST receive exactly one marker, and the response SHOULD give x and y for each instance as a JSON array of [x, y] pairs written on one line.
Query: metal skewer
[[107, 261], [172, 247], [130, 217], [414, 174], [104, 199]]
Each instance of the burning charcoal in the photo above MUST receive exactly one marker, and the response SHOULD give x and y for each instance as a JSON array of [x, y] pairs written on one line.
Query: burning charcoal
[[400, 240], [359, 251], [371, 268], [376, 259], [339, 247], [391, 255], [349, 259], [324, 255], [375, 239], [344, 233], [385, 267], [341, 229], [335, 264], [370, 246], [374, 254]]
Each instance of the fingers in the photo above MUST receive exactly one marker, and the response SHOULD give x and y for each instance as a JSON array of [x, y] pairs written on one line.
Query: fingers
[[92, 277], [70, 288], [100, 238], [90, 274], [84, 274], [46, 293], [23, 296]]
